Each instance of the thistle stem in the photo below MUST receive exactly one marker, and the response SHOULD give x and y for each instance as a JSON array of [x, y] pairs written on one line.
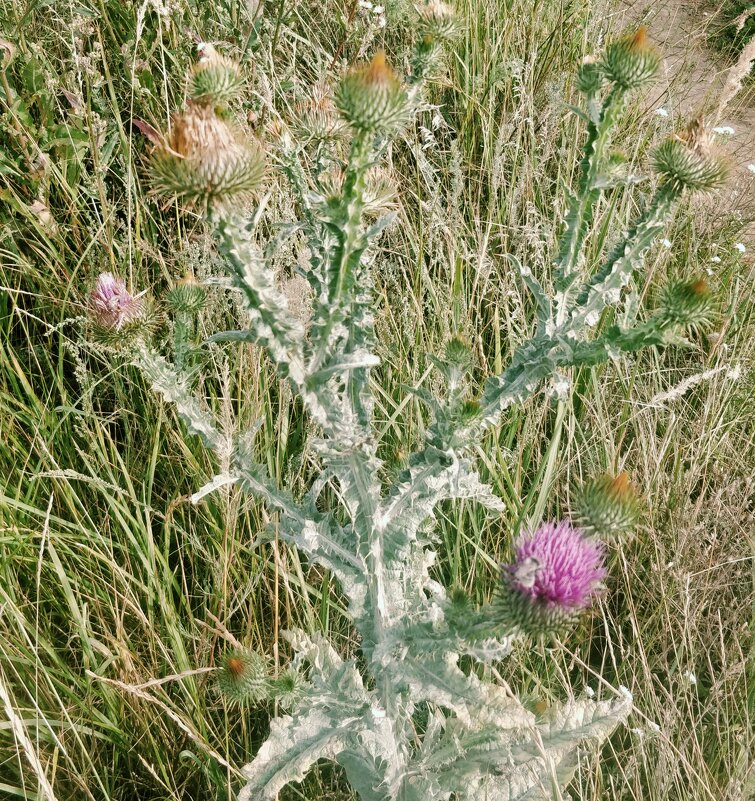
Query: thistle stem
[[582, 207]]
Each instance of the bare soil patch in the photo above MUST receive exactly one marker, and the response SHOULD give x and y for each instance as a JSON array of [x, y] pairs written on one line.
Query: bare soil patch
[[691, 81]]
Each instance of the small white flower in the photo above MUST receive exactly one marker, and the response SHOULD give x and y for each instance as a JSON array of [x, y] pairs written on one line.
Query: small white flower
[[666, 243], [726, 130], [691, 678], [740, 247], [661, 112], [715, 259], [366, 4], [751, 167], [709, 270], [589, 692], [377, 9]]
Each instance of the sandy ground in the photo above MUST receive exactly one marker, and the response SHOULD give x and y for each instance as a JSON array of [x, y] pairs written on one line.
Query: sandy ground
[[692, 77]]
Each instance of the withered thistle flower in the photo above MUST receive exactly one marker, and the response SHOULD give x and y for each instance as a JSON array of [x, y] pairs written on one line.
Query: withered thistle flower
[[112, 306], [206, 159], [555, 574], [437, 19], [685, 160], [371, 98], [316, 118]]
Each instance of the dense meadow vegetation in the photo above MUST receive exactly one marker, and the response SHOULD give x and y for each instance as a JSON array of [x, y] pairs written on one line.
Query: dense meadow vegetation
[[119, 597]]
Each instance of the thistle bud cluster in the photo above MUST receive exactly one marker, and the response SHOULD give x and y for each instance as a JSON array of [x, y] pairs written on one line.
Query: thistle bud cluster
[[372, 99], [207, 159]]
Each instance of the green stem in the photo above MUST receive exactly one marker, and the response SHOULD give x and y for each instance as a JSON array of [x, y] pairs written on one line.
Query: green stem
[[582, 207], [605, 286]]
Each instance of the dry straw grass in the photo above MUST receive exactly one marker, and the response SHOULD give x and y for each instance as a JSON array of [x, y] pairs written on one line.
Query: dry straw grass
[[110, 578]]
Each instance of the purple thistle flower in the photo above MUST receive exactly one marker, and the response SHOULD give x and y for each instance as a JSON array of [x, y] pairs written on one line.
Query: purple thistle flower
[[112, 304], [557, 566]]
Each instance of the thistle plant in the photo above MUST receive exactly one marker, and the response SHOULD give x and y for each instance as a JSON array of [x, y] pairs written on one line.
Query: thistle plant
[[408, 721]]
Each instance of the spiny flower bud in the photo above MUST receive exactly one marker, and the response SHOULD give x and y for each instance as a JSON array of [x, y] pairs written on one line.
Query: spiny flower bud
[[685, 159], [288, 689], [206, 159], [607, 506], [687, 303], [372, 99], [630, 62], [459, 353], [187, 296], [438, 20], [590, 76], [555, 574], [215, 79], [114, 310], [243, 676]]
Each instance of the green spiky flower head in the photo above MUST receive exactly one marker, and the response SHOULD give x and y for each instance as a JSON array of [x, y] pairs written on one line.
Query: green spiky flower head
[[630, 62], [371, 98], [288, 689], [206, 159], [685, 160], [590, 76], [243, 676], [188, 296], [215, 79], [688, 304], [606, 506], [437, 20]]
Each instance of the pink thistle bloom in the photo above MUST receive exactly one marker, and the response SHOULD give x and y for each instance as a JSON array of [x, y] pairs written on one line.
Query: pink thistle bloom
[[112, 304], [557, 566]]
